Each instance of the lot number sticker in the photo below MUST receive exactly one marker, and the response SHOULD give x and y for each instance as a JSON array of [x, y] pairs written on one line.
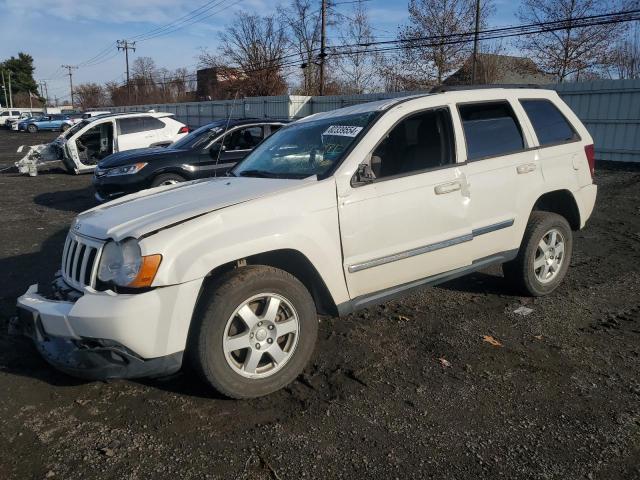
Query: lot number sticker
[[343, 130]]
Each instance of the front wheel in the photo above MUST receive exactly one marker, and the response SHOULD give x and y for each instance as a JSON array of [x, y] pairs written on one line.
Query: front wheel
[[32, 129], [166, 179], [254, 331], [544, 255]]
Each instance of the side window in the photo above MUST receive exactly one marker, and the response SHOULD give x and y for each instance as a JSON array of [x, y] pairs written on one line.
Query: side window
[[490, 129], [4, 114], [152, 123], [244, 138], [15, 112], [419, 142], [548, 122], [130, 125]]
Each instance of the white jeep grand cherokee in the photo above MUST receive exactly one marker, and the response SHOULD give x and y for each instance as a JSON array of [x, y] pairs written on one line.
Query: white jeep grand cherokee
[[335, 212]]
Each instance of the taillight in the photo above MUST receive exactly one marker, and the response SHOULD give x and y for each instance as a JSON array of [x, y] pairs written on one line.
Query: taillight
[[591, 159], [184, 129]]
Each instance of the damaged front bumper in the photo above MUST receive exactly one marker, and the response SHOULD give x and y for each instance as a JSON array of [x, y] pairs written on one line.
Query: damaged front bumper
[[38, 155], [103, 336]]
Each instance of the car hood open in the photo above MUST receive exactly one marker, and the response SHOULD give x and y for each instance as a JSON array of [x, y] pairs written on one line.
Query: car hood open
[[148, 211]]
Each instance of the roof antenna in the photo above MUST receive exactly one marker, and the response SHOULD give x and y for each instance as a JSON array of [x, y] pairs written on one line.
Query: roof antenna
[[226, 128]]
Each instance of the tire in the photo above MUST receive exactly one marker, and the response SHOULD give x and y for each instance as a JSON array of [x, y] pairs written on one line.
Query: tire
[[64, 127], [229, 369], [536, 271], [32, 129], [167, 179]]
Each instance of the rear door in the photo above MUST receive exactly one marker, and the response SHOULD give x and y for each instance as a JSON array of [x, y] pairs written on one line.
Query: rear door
[[131, 134], [503, 172]]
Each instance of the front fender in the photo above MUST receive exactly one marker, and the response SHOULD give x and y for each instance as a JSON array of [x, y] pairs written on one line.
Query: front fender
[[305, 220]]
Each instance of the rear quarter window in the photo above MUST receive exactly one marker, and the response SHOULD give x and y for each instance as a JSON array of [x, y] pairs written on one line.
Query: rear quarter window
[[548, 122], [152, 123], [491, 129]]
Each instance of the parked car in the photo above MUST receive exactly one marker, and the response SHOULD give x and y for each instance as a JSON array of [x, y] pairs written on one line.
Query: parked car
[[12, 122], [58, 122], [208, 151], [83, 145], [9, 116], [335, 212]]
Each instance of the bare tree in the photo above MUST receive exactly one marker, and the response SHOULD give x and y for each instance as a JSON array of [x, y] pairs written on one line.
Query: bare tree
[[626, 57], [357, 62], [90, 95], [302, 18], [429, 55], [255, 46], [572, 51]]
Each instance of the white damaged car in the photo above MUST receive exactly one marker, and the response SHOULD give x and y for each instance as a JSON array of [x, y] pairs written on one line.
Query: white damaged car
[[335, 212], [87, 142]]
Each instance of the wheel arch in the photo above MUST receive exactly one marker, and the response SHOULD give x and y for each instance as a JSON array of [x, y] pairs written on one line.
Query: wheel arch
[[291, 261], [561, 202]]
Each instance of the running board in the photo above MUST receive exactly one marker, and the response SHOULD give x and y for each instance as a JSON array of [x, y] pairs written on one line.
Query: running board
[[382, 296]]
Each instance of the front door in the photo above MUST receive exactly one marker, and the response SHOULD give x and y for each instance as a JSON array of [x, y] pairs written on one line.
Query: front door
[[411, 222]]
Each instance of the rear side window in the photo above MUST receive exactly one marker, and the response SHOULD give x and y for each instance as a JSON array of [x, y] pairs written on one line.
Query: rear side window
[[490, 129], [548, 122], [131, 125]]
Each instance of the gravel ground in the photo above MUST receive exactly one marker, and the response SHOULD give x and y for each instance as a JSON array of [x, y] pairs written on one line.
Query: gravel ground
[[558, 397]]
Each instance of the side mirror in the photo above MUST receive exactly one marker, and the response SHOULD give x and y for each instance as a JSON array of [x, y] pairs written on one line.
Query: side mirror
[[363, 175]]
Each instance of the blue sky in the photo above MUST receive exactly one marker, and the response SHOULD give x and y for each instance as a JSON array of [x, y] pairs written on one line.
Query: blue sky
[[57, 32]]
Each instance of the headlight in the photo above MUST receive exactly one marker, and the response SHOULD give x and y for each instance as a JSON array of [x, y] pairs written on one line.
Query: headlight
[[126, 170], [121, 263]]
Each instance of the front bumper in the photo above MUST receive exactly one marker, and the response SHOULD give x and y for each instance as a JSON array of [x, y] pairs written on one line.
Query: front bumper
[[110, 188], [103, 335]]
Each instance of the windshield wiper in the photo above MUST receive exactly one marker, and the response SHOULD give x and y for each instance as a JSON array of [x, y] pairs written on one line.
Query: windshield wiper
[[257, 173]]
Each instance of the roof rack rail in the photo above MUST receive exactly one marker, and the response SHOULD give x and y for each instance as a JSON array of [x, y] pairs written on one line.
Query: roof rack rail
[[454, 88]]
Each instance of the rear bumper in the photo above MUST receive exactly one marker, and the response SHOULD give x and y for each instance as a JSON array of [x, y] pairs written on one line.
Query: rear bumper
[[103, 335], [586, 200]]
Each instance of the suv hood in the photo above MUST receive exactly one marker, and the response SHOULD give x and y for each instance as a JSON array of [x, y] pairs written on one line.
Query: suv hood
[[147, 211], [128, 157]]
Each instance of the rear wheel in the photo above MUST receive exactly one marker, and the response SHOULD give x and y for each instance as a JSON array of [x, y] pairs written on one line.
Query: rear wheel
[[544, 255], [32, 129], [167, 179], [254, 331]]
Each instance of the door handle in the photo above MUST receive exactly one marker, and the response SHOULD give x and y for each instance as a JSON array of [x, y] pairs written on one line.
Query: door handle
[[526, 168], [447, 188]]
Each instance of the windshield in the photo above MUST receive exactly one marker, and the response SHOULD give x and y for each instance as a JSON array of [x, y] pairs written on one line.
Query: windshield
[[75, 129], [304, 149], [198, 138]]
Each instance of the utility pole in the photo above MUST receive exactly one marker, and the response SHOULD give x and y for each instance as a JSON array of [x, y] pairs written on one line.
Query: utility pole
[[475, 44], [10, 94], [126, 46], [323, 41], [4, 89], [69, 68], [43, 88]]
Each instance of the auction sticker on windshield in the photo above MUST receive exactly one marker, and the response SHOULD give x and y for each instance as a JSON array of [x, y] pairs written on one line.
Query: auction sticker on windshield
[[343, 130]]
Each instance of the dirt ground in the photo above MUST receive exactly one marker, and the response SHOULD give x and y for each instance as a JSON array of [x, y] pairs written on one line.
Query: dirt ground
[[559, 399]]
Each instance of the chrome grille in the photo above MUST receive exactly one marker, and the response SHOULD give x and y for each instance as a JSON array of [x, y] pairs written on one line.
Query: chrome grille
[[80, 261]]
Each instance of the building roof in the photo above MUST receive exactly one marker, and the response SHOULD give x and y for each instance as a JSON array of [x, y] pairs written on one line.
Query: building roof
[[492, 68]]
